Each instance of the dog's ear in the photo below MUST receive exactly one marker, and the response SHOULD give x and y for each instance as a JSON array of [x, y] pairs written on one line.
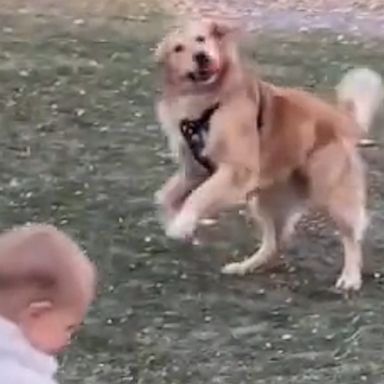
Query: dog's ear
[[160, 52], [162, 47], [222, 27]]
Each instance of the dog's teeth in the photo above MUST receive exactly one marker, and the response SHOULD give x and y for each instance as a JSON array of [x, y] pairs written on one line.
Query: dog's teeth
[[208, 222]]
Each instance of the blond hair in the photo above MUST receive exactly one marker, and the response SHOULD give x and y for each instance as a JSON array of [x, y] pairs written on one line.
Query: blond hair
[[38, 262]]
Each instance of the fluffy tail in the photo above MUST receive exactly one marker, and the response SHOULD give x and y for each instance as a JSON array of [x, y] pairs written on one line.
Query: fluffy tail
[[361, 92]]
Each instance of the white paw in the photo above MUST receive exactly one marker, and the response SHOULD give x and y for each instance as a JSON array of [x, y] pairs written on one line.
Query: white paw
[[235, 269], [182, 226], [349, 281], [159, 197], [248, 265]]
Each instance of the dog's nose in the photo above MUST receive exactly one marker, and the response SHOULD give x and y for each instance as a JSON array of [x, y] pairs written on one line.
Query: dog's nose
[[201, 59]]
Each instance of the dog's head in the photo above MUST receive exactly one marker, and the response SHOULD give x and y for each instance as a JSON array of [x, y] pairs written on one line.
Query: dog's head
[[197, 54]]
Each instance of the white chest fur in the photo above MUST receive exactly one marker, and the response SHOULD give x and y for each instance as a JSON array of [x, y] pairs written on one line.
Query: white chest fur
[[171, 111]]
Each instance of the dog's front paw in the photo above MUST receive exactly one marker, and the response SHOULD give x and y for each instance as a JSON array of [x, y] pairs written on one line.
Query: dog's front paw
[[182, 226], [165, 211], [160, 197], [349, 281]]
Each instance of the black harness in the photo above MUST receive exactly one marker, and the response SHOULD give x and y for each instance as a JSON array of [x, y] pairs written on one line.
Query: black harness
[[261, 110], [195, 132]]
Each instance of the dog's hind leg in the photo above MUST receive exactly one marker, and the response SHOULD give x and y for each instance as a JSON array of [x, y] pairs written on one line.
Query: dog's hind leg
[[267, 252], [277, 212], [351, 236], [347, 209], [339, 187]]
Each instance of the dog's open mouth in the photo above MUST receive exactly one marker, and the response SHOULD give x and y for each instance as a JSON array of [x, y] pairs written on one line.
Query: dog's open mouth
[[203, 76]]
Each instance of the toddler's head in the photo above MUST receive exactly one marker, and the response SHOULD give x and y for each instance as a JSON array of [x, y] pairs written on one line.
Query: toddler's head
[[46, 284]]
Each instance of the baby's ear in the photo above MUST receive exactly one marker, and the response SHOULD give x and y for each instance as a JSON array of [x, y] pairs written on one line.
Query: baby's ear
[[37, 308], [33, 312]]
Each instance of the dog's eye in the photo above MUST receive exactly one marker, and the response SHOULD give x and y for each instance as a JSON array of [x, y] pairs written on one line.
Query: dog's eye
[[200, 39], [179, 48]]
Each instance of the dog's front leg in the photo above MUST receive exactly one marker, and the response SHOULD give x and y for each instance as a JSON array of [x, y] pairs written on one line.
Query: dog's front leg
[[171, 196], [217, 192]]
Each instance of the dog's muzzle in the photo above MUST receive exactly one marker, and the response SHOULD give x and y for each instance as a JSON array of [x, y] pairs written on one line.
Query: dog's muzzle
[[202, 60], [204, 68]]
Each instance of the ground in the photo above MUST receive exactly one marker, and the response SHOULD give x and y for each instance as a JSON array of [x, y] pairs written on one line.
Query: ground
[[81, 148]]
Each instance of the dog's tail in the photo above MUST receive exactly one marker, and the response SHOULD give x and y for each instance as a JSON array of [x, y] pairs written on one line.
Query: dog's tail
[[360, 92]]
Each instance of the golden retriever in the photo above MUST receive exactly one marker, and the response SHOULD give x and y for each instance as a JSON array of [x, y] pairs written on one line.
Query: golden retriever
[[238, 139]]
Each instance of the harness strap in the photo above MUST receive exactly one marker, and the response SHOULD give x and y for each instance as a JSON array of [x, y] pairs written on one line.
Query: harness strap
[[195, 134], [261, 108]]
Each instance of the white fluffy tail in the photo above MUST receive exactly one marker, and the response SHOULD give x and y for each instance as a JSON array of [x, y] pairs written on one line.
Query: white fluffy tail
[[361, 92]]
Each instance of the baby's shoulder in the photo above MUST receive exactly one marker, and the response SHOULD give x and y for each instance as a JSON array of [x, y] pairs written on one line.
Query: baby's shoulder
[[13, 372]]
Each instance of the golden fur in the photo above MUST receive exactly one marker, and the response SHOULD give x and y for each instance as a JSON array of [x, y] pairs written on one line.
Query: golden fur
[[303, 154]]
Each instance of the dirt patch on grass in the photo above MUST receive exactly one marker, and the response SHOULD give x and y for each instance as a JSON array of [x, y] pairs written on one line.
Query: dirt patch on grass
[[306, 6], [363, 18], [91, 8]]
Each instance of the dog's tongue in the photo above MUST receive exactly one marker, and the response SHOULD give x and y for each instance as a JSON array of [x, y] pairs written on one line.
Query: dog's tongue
[[214, 67]]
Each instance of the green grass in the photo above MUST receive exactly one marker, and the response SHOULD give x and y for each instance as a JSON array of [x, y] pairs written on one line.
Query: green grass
[[81, 148]]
